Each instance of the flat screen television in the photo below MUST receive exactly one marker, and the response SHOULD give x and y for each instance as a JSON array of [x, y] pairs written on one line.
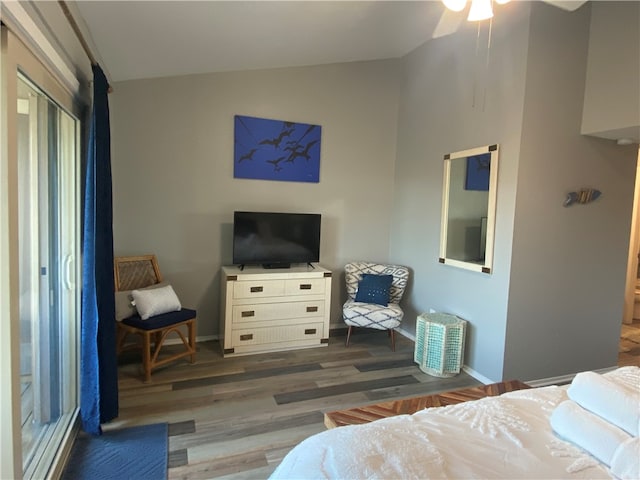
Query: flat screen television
[[275, 240]]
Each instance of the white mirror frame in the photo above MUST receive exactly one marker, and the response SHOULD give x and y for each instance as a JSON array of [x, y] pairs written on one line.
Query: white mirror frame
[[487, 265]]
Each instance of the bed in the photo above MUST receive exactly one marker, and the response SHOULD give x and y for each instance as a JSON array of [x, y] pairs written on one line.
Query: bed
[[588, 429]]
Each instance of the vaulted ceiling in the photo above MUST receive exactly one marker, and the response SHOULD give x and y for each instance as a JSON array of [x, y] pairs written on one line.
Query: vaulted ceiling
[[147, 39]]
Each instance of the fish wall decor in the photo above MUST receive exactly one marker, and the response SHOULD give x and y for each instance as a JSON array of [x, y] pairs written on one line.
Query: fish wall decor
[[586, 195]]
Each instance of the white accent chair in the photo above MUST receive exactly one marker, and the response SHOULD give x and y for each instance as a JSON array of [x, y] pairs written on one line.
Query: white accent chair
[[371, 315]]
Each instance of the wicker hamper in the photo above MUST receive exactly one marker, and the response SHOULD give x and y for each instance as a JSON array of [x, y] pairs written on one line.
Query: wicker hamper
[[439, 349]]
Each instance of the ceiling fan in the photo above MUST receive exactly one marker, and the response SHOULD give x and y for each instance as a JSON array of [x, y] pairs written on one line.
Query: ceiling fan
[[479, 10]]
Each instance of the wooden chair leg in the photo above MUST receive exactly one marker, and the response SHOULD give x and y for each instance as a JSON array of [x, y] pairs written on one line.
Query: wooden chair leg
[[392, 334], [157, 339], [146, 356], [348, 336], [192, 342], [121, 336]]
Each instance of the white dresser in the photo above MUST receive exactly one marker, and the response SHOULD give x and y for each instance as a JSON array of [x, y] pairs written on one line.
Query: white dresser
[[267, 310]]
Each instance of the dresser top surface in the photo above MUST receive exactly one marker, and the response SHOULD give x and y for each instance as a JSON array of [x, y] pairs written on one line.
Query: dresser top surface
[[256, 272]]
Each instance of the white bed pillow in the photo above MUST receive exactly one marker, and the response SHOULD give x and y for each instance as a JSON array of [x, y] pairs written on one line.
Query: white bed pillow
[[125, 306], [155, 301]]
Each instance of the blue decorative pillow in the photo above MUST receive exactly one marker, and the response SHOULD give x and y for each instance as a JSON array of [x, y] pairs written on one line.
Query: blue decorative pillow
[[374, 289]]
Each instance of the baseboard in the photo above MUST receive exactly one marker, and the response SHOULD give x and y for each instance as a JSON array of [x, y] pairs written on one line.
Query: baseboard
[[562, 379], [404, 333], [478, 376], [340, 329], [202, 338], [468, 370]]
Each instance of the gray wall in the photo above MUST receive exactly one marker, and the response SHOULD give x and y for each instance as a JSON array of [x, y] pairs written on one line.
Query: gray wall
[[553, 304], [174, 191], [568, 264], [438, 116], [558, 272], [612, 95]]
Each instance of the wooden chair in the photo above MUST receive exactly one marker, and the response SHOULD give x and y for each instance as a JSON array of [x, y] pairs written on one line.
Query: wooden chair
[[138, 272]]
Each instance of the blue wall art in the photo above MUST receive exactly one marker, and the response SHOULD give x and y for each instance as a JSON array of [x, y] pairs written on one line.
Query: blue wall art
[[276, 150], [478, 169]]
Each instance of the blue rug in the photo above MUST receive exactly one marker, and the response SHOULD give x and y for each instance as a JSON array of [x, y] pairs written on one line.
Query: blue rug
[[131, 453]]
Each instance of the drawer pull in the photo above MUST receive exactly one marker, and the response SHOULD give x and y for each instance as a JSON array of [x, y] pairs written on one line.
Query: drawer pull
[[256, 289], [305, 286], [246, 336], [312, 309], [309, 331], [248, 313]]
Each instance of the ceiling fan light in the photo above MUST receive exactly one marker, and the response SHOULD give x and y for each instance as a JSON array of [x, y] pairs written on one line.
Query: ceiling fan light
[[480, 10], [455, 5]]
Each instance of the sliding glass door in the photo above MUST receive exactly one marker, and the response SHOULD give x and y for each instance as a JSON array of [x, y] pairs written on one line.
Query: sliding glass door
[[48, 225]]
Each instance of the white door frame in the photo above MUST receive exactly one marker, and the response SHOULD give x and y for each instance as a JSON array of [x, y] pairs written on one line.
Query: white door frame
[[634, 250]]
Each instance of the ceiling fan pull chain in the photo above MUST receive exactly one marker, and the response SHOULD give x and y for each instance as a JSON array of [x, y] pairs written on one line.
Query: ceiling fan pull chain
[[486, 70], [475, 68]]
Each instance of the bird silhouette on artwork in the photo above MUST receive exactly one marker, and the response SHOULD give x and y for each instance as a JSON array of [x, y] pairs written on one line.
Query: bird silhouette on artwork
[[295, 152], [275, 163], [276, 141], [248, 156], [308, 131]]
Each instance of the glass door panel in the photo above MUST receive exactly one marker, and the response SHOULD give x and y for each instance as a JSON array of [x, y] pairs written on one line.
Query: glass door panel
[[48, 231]]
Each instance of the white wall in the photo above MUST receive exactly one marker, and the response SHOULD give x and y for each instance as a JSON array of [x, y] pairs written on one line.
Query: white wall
[[172, 156]]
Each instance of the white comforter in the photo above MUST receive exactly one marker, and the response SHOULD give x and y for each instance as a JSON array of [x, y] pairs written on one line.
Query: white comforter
[[496, 437]]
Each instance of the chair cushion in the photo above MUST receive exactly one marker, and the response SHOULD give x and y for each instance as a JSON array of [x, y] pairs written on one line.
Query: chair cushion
[[370, 315], [160, 321], [150, 303], [374, 289], [125, 307], [353, 273]]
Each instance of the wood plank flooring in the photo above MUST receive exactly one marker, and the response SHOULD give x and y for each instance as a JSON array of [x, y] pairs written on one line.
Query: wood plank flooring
[[236, 418], [629, 351]]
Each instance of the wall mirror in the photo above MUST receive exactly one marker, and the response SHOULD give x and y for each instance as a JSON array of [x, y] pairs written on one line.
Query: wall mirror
[[468, 208]]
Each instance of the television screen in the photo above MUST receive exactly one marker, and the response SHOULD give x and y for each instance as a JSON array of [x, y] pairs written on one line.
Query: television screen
[[275, 239]]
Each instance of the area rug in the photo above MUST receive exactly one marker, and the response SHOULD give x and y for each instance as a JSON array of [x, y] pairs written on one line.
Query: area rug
[[131, 453]]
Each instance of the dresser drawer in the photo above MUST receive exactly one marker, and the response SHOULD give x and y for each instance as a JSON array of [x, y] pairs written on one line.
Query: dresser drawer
[[260, 336], [276, 311], [266, 310], [307, 286], [258, 289]]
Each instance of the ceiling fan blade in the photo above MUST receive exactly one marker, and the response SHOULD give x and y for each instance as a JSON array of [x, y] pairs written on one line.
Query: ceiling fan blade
[[569, 5], [449, 23]]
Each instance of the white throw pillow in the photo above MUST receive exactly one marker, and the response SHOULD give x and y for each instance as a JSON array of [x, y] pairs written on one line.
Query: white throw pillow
[[155, 301], [125, 307]]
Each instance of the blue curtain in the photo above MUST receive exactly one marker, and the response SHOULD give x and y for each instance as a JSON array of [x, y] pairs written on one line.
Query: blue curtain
[[98, 365]]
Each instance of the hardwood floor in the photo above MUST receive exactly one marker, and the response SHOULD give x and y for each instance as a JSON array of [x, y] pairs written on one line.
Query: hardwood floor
[[236, 418], [629, 351]]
